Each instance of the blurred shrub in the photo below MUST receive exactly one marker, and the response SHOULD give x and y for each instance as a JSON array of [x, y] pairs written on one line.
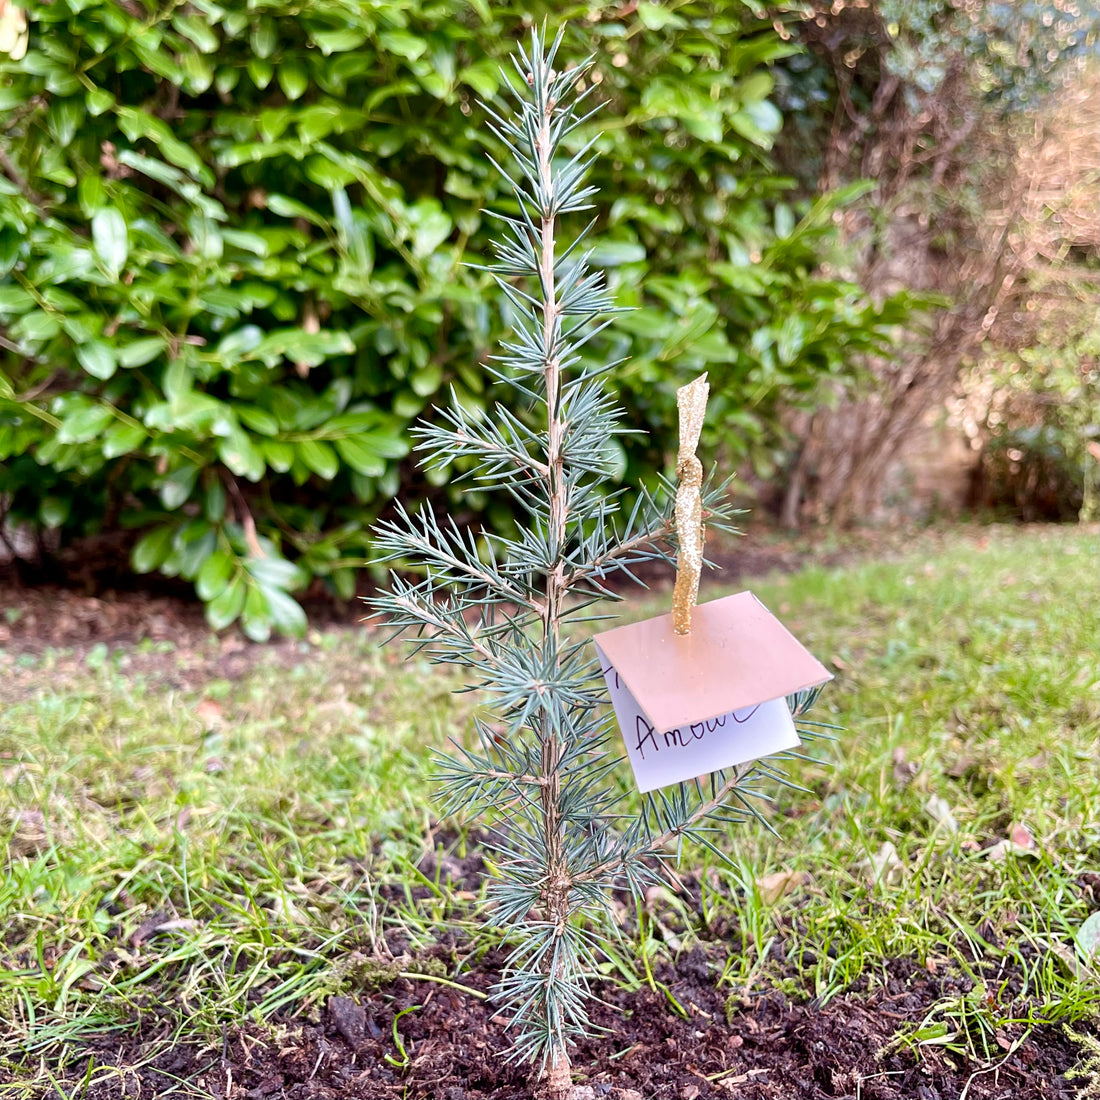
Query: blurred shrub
[[232, 246], [966, 116], [1041, 453]]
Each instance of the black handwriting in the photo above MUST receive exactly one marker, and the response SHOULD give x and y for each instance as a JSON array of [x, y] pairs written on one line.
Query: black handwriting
[[682, 736]]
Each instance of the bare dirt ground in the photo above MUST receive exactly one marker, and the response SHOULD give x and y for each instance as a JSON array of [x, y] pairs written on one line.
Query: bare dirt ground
[[720, 1046], [88, 601], [88, 598]]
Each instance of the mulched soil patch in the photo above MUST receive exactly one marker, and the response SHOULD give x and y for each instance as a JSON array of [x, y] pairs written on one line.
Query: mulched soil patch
[[88, 595], [759, 1047], [86, 603]]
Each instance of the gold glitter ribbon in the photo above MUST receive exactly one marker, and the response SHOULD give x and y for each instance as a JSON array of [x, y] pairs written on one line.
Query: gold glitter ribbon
[[691, 400]]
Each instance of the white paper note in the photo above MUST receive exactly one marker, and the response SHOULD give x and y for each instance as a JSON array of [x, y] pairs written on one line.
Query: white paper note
[[661, 758]]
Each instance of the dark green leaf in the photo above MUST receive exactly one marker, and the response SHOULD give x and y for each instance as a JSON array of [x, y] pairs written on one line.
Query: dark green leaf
[[122, 438], [272, 572], [241, 455], [110, 239], [293, 79], [54, 511], [338, 41], [192, 550], [176, 487], [139, 352], [15, 300], [36, 325], [319, 457], [279, 455], [213, 501], [198, 30], [214, 575], [99, 100], [404, 45], [97, 358], [286, 613], [84, 424], [360, 457], [227, 605], [256, 617], [152, 549]]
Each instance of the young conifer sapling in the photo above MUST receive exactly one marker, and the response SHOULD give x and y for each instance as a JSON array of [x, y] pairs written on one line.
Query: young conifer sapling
[[505, 609]]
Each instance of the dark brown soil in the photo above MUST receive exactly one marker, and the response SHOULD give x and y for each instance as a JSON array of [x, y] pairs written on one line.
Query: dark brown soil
[[759, 1047], [89, 601], [89, 596]]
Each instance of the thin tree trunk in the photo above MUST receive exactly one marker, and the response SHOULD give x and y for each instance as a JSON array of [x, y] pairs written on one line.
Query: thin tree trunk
[[792, 496], [557, 1083]]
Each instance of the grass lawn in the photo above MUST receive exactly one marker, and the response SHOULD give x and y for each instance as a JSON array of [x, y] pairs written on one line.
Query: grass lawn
[[213, 850]]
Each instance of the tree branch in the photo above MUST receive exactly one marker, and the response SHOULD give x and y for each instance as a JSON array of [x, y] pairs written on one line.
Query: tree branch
[[12, 172], [616, 864], [597, 565]]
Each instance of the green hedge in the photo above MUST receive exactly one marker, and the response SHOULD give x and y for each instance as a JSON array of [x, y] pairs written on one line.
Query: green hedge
[[233, 248]]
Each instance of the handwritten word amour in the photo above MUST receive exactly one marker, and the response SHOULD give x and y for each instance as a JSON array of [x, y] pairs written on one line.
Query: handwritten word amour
[[682, 736]]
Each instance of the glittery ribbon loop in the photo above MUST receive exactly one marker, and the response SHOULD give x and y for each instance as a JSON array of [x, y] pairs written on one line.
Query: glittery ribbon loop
[[690, 531]]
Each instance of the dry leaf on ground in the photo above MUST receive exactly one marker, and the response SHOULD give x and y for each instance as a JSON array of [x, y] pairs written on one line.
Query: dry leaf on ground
[[775, 886], [884, 866], [1019, 842], [939, 809]]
